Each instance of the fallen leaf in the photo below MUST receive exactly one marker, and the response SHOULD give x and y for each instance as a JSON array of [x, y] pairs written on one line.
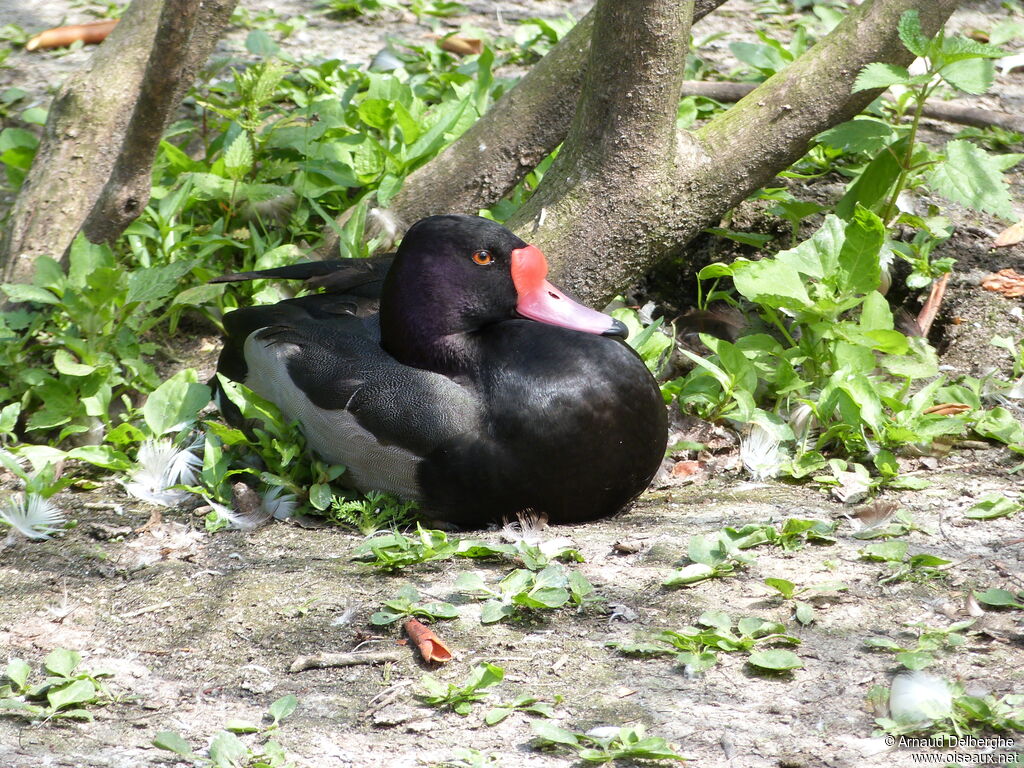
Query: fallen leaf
[[947, 409], [1012, 235], [686, 468], [58, 37], [461, 46], [430, 645], [1006, 281]]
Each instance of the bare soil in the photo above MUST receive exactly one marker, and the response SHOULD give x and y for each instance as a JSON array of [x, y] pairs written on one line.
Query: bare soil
[[199, 629]]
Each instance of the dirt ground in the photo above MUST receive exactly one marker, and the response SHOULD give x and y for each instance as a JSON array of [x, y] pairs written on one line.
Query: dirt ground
[[199, 629]]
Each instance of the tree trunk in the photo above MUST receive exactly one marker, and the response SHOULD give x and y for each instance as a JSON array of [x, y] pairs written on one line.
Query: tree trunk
[[627, 189], [494, 154], [104, 127]]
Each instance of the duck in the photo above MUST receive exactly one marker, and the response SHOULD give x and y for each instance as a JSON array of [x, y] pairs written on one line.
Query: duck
[[452, 373]]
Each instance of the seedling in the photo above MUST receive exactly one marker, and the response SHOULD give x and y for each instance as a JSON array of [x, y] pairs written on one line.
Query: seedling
[[626, 743], [374, 512], [696, 647], [393, 551], [712, 556], [532, 556], [460, 699], [523, 592], [525, 703], [63, 694], [905, 567], [407, 605], [227, 750], [929, 641], [802, 610]]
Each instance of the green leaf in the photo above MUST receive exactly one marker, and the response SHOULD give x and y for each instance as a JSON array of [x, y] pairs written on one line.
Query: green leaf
[[865, 135], [973, 76], [30, 293], [62, 662], [320, 495], [913, 38], [893, 551], [227, 750], [879, 75], [784, 587], [156, 283], [971, 177], [691, 574], [804, 612], [101, 456], [283, 708], [915, 659], [494, 611], [552, 734], [771, 282], [775, 660], [496, 715], [238, 158], [1000, 424], [874, 182], [66, 364], [17, 672], [76, 692], [1000, 598], [175, 403], [993, 506], [858, 257]]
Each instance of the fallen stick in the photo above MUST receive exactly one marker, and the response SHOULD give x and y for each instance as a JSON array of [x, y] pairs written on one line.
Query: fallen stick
[[324, 660], [926, 316], [950, 113]]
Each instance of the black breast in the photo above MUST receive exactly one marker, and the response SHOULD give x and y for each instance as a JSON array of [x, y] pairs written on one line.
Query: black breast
[[574, 427]]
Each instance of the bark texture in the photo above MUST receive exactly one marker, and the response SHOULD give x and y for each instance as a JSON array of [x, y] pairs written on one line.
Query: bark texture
[[104, 127], [614, 208], [484, 164]]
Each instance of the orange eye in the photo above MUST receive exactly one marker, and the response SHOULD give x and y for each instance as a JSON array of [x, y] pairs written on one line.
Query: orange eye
[[483, 258]]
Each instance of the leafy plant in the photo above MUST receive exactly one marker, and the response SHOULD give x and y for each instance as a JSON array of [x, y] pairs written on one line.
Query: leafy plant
[[523, 703], [460, 698], [374, 512], [523, 592], [905, 567], [64, 693], [407, 605], [227, 750], [696, 647], [803, 611], [850, 375], [964, 172], [605, 746], [929, 641], [394, 551], [1001, 598], [532, 555]]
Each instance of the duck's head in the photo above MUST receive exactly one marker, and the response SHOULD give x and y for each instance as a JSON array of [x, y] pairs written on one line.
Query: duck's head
[[456, 274]]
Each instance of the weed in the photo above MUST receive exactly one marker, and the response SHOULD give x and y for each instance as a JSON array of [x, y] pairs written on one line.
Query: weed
[[407, 606], [604, 745], [460, 698], [227, 750], [64, 694]]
